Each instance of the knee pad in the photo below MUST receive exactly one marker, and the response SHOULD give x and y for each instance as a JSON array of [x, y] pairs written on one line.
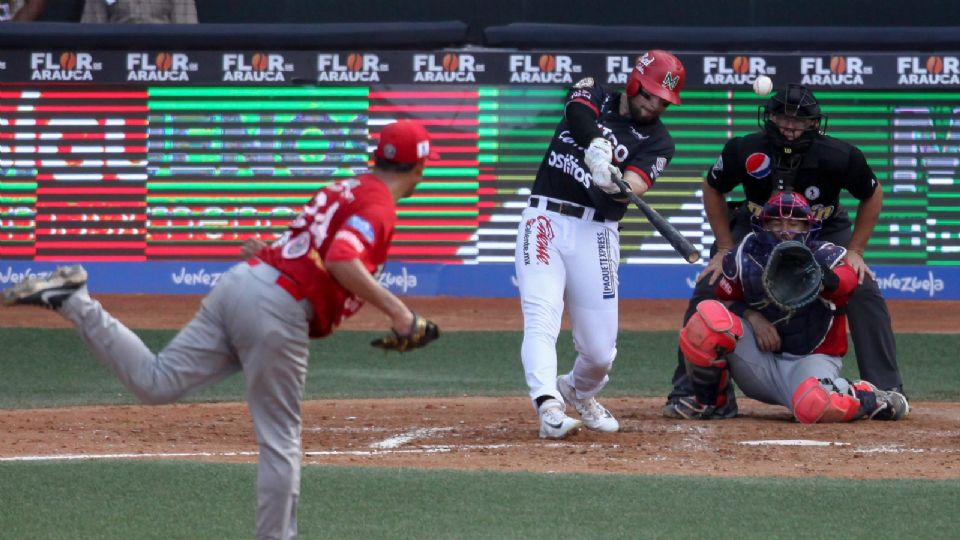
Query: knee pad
[[815, 402], [710, 334]]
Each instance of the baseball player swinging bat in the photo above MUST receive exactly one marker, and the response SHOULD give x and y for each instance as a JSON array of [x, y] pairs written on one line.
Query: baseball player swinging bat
[[677, 240]]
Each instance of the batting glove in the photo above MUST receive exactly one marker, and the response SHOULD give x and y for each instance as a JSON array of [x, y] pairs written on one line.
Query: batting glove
[[598, 158]]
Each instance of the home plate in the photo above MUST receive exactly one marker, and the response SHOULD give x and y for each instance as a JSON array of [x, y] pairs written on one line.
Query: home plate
[[792, 442]]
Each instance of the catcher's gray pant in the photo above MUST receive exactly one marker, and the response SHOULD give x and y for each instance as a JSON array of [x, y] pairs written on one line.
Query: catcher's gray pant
[[772, 377], [246, 323]]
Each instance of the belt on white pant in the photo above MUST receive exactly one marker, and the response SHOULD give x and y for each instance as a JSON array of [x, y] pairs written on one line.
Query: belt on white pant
[[567, 209]]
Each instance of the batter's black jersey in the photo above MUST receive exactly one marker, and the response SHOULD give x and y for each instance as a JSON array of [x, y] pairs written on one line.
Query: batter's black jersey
[[819, 174], [643, 148]]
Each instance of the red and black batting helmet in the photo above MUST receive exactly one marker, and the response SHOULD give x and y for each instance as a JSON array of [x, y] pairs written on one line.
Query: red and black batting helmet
[[660, 74], [787, 205]]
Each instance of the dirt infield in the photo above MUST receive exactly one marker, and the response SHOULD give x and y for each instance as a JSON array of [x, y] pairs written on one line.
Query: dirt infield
[[500, 433]]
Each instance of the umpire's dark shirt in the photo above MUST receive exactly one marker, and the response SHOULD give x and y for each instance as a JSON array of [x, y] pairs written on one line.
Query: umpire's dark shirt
[[819, 174]]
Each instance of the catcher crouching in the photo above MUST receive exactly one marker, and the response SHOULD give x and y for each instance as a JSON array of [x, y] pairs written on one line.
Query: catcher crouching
[[780, 331]]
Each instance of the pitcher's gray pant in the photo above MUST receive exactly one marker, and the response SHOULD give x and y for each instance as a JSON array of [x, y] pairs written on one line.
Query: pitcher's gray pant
[[246, 323]]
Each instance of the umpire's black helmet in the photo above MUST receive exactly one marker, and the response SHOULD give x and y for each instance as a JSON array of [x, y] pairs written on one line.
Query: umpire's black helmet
[[796, 101]]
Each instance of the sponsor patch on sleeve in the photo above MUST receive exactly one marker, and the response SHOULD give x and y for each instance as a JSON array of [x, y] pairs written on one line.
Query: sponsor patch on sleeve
[[362, 226], [585, 82]]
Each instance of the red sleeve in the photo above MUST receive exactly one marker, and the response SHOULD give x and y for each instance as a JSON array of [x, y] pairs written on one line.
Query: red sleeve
[[848, 283], [729, 290]]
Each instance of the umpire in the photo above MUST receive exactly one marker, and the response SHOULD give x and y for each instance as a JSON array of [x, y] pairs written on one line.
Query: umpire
[[792, 153]]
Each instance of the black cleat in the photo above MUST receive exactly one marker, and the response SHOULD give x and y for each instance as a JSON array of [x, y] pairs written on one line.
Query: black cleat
[[688, 408], [50, 291]]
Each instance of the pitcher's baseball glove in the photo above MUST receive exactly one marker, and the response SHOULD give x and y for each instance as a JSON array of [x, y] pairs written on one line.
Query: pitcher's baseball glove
[[792, 277], [422, 331]]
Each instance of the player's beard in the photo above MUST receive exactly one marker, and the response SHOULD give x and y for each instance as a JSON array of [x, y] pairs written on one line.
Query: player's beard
[[640, 114]]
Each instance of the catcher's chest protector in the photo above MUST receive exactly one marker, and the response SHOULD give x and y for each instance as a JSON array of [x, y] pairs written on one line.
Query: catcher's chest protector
[[801, 331]]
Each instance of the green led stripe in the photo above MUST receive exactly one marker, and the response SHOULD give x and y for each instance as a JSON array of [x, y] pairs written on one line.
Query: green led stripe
[[857, 109], [273, 91], [699, 133], [496, 119], [243, 158], [693, 160], [277, 172], [860, 122], [436, 213], [453, 186], [679, 179], [18, 200], [427, 199], [944, 195], [434, 227], [253, 198], [217, 105], [715, 148], [244, 186], [13, 185], [491, 158], [663, 193], [159, 213], [943, 263], [510, 132], [713, 94], [885, 96], [905, 254], [440, 172], [250, 118], [491, 145], [513, 92], [211, 223], [705, 121], [524, 106]]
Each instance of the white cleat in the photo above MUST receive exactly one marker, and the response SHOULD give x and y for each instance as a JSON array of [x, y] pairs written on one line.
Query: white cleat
[[554, 422], [595, 416]]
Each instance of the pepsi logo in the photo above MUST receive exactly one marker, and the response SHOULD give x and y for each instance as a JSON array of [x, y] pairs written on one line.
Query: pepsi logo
[[758, 165]]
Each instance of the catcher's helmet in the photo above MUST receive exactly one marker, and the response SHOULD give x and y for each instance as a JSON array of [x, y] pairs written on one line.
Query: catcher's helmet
[[659, 73], [795, 101], [786, 205]]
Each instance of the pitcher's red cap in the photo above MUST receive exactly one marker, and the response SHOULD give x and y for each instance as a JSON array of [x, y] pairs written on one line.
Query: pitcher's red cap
[[404, 141]]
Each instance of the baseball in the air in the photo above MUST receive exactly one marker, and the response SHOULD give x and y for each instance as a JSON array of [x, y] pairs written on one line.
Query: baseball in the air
[[763, 85]]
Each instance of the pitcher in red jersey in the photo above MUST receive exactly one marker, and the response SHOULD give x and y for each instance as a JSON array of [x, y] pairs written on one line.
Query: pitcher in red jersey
[[261, 314]]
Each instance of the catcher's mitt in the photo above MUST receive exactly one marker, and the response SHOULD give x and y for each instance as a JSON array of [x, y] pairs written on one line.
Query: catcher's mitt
[[792, 276], [422, 331]]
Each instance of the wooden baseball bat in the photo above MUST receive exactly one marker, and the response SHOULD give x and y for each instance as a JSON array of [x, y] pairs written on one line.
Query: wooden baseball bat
[[677, 240]]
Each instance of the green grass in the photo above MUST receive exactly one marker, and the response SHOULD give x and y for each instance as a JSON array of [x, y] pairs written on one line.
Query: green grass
[[51, 367], [174, 500]]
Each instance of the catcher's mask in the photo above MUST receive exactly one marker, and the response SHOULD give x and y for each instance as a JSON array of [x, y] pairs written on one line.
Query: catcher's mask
[[657, 73], [794, 109], [786, 216]]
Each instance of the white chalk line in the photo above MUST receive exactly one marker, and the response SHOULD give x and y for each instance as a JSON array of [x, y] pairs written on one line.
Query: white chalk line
[[792, 442], [428, 449], [399, 440]]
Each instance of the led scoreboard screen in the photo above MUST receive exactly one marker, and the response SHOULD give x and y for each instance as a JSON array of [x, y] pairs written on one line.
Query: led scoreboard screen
[[140, 162]]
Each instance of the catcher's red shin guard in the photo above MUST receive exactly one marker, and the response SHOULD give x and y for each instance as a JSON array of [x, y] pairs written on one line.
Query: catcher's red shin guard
[[813, 403]]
